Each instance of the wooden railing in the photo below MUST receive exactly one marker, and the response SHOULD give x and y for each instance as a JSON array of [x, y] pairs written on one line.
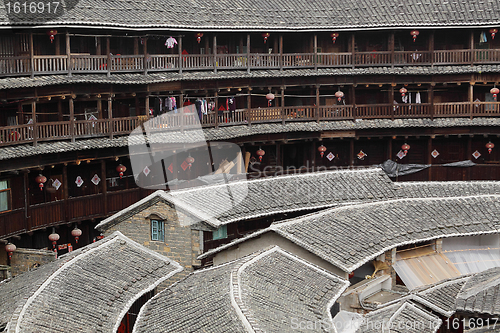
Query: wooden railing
[[82, 63], [39, 132]]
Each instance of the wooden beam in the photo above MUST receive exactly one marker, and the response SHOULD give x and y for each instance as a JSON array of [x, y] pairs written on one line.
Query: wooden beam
[[248, 53], [431, 47], [283, 115], [315, 46], [32, 56], [180, 54], [391, 47], [68, 54], [110, 115], [145, 53], [108, 53], [281, 52], [35, 125], [72, 119], [104, 186], [215, 53]]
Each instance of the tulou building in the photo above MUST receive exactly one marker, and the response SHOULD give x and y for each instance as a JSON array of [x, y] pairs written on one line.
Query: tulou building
[[357, 142]]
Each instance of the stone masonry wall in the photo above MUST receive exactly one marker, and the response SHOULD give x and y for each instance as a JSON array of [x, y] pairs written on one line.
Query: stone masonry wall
[[181, 244], [24, 260]]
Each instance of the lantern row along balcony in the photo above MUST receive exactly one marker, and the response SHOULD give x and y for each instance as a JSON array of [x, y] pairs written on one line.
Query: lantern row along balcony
[[77, 63], [63, 130]]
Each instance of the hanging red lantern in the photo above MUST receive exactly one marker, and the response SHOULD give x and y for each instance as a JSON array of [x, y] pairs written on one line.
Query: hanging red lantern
[[490, 146], [54, 237], [52, 34], [415, 33], [405, 148], [339, 94], [76, 233], [322, 150], [269, 98], [198, 37], [403, 91], [493, 32], [334, 36], [10, 248], [190, 161], [121, 170], [260, 153], [266, 36], [495, 92], [41, 179]]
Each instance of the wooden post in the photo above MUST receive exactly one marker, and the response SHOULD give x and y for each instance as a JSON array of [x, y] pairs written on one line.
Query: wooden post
[[98, 49], [20, 114], [146, 104], [283, 115], [281, 52], [389, 149], [217, 110], [315, 60], [136, 46], [110, 115], [99, 108], [353, 96], [353, 50], [391, 100], [59, 110], [104, 186], [108, 53], [65, 190], [391, 47], [215, 53], [471, 100], [431, 47], [72, 119], [35, 127], [472, 47], [248, 53], [26, 200], [145, 53], [431, 100], [180, 54], [68, 54], [429, 157], [317, 104], [32, 55], [469, 154]]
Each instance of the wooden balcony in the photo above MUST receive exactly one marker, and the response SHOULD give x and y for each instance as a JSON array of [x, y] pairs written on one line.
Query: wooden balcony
[[64, 130], [82, 63]]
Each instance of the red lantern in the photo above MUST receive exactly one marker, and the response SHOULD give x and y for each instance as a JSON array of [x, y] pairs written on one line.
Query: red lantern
[[10, 248], [260, 153], [334, 36], [415, 33], [266, 36], [52, 34], [190, 161], [322, 150], [403, 91], [493, 32], [405, 148], [495, 92], [198, 37], [269, 98], [76, 233], [339, 94], [53, 237], [121, 170], [41, 179], [490, 146]]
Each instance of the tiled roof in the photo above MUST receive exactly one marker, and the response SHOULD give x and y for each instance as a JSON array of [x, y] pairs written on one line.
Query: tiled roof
[[272, 195], [405, 317], [262, 292], [447, 189], [440, 297], [270, 15], [481, 293], [150, 78], [238, 131], [87, 290], [350, 236]]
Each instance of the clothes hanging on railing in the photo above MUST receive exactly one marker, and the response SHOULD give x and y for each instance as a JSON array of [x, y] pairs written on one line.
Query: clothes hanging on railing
[[170, 42], [231, 106], [198, 104], [418, 99], [170, 104]]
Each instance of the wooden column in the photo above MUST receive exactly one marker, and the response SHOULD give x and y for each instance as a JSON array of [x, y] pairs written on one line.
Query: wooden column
[[317, 104], [26, 191], [35, 127], [313, 156], [110, 115], [389, 149], [248, 53], [65, 182], [315, 46], [145, 53], [471, 41], [215, 53], [471, 99], [108, 53], [136, 46], [278, 154], [431, 100], [72, 118], [353, 97], [217, 110], [98, 49], [20, 114], [391, 47], [99, 108], [391, 99], [283, 115], [469, 154], [104, 186], [32, 55], [146, 104], [431, 47], [281, 52], [57, 45], [353, 50], [180, 54], [59, 110], [68, 54], [429, 157]]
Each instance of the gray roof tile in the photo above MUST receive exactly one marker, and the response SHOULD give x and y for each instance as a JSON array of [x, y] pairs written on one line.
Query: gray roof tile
[[481, 293]]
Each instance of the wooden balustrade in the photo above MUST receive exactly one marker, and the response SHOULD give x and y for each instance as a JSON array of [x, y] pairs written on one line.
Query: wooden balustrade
[[53, 131], [452, 109], [336, 112], [416, 110], [91, 128], [374, 111], [50, 64], [82, 63], [299, 112], [485, 109], [226, 117]]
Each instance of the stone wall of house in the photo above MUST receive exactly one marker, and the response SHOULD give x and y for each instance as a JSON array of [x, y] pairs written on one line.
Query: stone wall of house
[[182, 244], [24, 260]]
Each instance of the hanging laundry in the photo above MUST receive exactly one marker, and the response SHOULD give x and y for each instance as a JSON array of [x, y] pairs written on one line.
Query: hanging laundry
[[418, 99], [231, 106], [198, 108], [483, 38], [170, 42]]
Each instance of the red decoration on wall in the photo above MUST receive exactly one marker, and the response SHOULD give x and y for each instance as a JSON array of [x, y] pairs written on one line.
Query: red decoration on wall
[[121, 170], [52, 34], [339, 94], [41, 179], [495, 92], [415, 33], [190, 161], [184, 165], [322, 150], [493, 32], [171, 168], [260, 153], [403, 91], [334, 36], [266, 36], [490, 146], [405, 148], [198, 37]]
